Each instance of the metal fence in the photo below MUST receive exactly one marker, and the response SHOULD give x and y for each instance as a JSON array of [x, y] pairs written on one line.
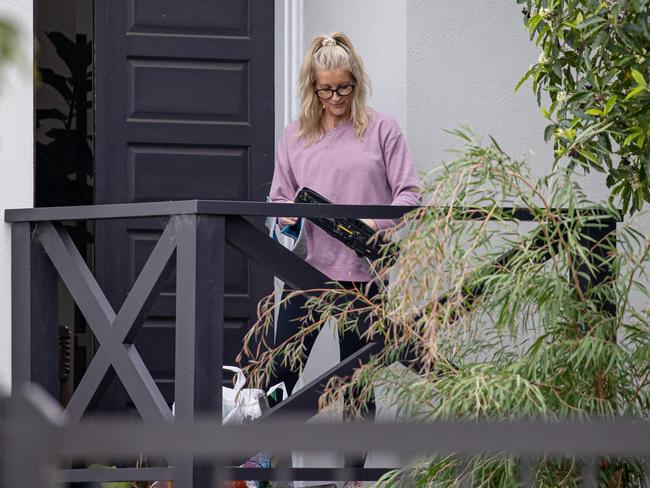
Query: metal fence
[[193, 242], [36, 439]]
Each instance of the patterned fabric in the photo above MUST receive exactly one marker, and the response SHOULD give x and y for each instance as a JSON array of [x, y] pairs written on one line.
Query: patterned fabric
[[261, 460]]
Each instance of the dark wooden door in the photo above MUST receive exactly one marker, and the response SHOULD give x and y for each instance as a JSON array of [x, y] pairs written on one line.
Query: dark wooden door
[[184, 110]]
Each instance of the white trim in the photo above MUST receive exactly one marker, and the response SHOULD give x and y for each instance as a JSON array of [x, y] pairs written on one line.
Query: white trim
[[288, 57], [16, 157]]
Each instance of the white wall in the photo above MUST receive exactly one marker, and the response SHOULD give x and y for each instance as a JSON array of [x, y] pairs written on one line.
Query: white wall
[[440, 64], [465, 58], [16, 156], [436, 65], [377, 29]]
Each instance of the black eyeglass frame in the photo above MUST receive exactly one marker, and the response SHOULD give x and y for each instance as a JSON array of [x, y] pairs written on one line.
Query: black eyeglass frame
[[337, 91]]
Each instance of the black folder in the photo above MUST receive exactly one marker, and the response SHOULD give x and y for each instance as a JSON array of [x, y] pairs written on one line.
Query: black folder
[[352, 232]]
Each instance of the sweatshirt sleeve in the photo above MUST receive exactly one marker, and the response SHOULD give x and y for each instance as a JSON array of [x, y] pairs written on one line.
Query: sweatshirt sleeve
[[284, 185], [402, 176]]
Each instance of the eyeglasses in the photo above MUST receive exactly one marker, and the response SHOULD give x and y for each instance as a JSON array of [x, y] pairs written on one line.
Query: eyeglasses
[[327, 93]]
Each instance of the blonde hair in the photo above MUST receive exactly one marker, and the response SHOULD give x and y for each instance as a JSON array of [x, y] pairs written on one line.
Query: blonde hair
[[328, 52]]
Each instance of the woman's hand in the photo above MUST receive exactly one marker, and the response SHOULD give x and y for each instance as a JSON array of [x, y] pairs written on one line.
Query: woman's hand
[[287, 220], [370, 223]]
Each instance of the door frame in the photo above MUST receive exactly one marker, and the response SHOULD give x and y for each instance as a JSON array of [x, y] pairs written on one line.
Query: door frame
[[289, 50]]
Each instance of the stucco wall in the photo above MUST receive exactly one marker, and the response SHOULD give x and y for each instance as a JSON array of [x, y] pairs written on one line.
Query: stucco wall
[[377, 29], [437, 65], [16, 149], [464, 60]]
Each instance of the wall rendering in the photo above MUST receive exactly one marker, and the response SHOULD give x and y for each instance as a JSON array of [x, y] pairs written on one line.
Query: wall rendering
[[435, 66], [16, 159], [439, 65], [377, 29], [464, 61]]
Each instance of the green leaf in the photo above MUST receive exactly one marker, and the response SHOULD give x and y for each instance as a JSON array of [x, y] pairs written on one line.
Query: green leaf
[[496, 144], [594, 111], [640, 140], [625, 196], [524, 78], [630, 138], [638, 77], [548, 132], [610, 104], [635, 92], [617, 189], [638, 199], [533, 22], [459, 133], [592, 21]]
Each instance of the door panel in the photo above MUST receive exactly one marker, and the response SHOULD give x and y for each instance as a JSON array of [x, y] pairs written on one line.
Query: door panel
[[184, 110]]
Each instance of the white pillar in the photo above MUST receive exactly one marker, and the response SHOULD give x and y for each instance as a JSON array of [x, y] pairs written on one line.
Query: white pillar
[[288, 57], [16, 158]]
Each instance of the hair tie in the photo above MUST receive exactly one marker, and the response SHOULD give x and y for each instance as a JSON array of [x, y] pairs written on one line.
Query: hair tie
[[328, 41]]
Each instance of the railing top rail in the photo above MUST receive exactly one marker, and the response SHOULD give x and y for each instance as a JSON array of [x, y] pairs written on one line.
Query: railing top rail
[[32, 410], [203, 207], [205, 436], [224, 207]]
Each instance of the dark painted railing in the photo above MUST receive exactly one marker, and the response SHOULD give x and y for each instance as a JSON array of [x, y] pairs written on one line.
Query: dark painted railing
[[36, 439], [193, 242]]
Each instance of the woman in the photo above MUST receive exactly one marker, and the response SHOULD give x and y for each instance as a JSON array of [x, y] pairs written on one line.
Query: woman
[[347, 153]]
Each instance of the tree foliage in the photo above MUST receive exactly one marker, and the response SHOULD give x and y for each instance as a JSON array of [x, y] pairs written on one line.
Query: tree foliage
[[594, 67], [8, 43], [64, 164], [495, 319]]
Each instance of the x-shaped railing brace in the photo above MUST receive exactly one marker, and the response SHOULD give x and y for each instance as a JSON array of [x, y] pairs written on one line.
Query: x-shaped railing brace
[[115, 333], [195, 244]]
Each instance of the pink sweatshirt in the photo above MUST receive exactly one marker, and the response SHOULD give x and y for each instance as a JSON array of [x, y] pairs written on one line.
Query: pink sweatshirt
[[374, 170]]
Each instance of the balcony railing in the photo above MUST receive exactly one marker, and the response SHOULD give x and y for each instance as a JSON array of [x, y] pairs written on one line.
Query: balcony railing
[[193, 243], [36, 439]]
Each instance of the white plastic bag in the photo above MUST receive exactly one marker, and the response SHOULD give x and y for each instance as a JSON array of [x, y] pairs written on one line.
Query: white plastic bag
[[239, 403], [229, 395]]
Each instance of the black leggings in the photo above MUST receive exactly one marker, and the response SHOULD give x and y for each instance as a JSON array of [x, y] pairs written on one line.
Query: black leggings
[[289, 323]]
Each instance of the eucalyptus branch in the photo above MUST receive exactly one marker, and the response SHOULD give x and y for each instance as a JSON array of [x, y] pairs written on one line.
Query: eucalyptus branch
[[489, 324]]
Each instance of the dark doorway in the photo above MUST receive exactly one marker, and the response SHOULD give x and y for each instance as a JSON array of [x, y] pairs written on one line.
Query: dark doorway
[[184, 110], [63, 152]]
